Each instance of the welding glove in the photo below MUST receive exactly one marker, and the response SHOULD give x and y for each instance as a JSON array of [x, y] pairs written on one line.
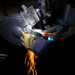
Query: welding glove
[[55, 29], [27, 40]]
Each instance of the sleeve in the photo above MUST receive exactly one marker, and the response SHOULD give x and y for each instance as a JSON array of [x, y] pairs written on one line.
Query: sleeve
[[40, 46]]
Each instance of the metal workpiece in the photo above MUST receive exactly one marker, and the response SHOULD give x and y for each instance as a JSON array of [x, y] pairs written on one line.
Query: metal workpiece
[[12, 26]]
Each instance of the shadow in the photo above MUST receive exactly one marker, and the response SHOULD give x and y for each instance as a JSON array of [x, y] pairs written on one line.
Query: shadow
[[13, 64]]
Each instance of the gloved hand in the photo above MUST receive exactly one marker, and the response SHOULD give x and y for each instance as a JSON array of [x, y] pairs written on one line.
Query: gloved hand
[[27, 40], [57, 30], [54, 29]]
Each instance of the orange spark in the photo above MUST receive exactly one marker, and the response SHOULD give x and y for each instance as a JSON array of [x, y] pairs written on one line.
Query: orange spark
[[30, 61]]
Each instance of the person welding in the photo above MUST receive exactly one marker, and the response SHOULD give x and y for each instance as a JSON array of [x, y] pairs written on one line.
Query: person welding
[[42, 47], [39, 44]]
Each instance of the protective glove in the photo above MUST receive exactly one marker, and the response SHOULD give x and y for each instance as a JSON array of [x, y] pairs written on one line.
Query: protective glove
[[57, 30], [27, 40]]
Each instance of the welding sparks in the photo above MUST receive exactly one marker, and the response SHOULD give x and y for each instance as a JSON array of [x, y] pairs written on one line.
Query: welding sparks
[[30, 61]]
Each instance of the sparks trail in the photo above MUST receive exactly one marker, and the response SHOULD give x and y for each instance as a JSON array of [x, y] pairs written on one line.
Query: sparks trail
[[30, 62]]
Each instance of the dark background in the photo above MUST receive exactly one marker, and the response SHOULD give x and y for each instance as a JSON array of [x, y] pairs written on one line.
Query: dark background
[[13, 64]]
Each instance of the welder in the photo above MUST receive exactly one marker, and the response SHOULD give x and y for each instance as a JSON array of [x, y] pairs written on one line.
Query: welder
[[39, 44], [43, 47]]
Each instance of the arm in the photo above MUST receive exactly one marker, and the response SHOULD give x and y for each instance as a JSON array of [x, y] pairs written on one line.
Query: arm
[[38, 45]]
